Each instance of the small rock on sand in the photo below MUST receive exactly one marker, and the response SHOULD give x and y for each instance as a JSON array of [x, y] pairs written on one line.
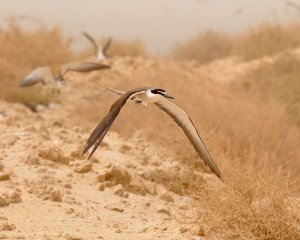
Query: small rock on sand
[[198, 231], [115, 208], [167, 197], [7, 226], [84, 168], [54, 154], [14, 196], [183, 230], [101, 186], [120, 191], [55, 196], [115, 174], [3, 202], [4, 176], [163, 209]]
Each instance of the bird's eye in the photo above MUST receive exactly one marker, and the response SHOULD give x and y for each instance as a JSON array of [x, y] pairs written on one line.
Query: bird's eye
[[158, 91]]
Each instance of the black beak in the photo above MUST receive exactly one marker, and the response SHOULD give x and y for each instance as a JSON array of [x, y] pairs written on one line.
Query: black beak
[[167, 96]]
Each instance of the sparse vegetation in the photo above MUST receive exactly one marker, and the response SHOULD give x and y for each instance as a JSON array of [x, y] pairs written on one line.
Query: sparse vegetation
[[132, 48], [255, 203], [178, 182], [205, 47], [278, 80], [265, 40]]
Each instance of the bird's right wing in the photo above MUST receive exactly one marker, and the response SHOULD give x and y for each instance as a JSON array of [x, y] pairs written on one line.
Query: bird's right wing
[[92, 40], [102, 128], [82, 67], [40, 74], [106, 46], [184, 121]]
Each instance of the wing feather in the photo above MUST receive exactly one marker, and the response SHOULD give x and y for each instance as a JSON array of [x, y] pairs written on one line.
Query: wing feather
[[102, 128], [82, 67], [40, 74], [188, 127], [92, 40], [106, 46]]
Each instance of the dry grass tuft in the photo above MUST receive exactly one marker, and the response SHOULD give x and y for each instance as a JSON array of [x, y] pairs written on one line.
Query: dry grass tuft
[[278, 80], [255, 203], [267, 39], [132, 48], [205, 47], [178, 182], [21, 51]]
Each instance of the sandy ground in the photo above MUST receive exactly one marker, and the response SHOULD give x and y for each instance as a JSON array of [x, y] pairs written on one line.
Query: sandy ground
[[49, 191]]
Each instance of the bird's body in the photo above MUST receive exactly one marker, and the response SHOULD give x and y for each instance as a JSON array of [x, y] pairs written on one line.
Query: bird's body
[[158, 97], [45, 75], [100, 51]]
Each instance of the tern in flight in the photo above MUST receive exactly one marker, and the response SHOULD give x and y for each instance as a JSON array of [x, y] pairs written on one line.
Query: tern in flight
[[45, 75], [160, 98], [100, 51]]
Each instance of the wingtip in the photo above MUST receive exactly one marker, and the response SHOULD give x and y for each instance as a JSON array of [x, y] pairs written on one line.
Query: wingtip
[[221, 178], [23, 83]]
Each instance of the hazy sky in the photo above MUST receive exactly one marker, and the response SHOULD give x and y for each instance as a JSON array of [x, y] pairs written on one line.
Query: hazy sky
[[160, 23]]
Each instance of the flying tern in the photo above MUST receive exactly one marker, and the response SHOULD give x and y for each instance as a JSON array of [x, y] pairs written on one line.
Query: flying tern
[[45, 75], [100, 51], [160, 98]]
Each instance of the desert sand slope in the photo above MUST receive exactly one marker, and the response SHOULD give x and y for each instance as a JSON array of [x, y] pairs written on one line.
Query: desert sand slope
[[49, 191]]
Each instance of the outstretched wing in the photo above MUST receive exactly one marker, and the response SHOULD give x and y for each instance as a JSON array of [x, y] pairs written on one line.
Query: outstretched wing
[[183, 120], [102, 128], [82, 67], [106, 46], [92, 40], [40, 74]]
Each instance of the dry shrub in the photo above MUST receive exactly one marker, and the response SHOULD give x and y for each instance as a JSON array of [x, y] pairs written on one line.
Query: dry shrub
[[264, 40], [178, 182], [257, 149], [205, 47], [267, 39], [21, 51], [278, 80], [127, 48], [255, 203]]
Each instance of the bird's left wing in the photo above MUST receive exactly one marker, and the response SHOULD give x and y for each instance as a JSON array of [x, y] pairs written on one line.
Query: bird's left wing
[[40, 74], [92, 41], [184, 121]]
